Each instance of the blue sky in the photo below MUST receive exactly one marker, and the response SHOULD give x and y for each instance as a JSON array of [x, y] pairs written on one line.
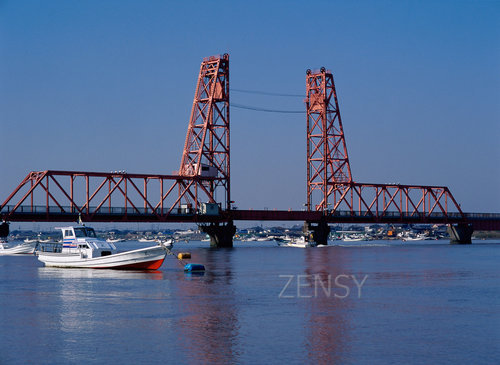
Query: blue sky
[[108, 85]]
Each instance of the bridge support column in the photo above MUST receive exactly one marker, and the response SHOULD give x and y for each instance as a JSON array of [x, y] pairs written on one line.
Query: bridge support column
[[460, 233], [220, 235], [4, 230], [317, 232]]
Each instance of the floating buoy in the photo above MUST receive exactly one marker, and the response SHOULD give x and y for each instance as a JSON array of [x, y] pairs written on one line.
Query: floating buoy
[[183, 255], [194, 267]]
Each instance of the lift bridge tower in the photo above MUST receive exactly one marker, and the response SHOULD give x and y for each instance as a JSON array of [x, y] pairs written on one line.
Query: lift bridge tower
[[206, 151], [328, 168]]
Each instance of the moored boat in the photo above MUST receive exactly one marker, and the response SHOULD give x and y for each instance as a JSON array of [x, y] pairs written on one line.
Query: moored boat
[[114, 240], [418, 237], [22, 248], [31, 240], [354, 238], [299, 242], [82, 249], [168, 243]]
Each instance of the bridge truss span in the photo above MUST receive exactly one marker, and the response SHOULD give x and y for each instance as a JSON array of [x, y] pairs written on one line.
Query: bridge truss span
[[115, 195], [409, 202]]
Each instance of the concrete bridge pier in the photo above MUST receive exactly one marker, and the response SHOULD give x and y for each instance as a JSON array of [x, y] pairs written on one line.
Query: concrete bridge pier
[[318, 232], [460, 233], [221, 235]]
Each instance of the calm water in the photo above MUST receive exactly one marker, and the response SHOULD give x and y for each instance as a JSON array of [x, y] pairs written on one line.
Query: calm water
[[261, 304]]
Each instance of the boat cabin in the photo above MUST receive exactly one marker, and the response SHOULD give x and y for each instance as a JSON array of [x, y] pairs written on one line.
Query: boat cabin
[[83, 240]]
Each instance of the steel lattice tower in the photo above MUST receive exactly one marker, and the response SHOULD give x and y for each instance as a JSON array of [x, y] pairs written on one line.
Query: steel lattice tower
[[328, 168], [206, 150]]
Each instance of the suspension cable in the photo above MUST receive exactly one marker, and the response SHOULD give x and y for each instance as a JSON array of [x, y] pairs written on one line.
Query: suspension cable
[[258, 109], [266, 93]]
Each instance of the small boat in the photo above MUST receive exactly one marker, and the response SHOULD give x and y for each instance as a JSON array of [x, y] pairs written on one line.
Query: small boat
[[22, 248], [299, 242], [114, 240], [168, 243], [31, 240], [418, 237], [82, 249], [146, 240], [48, 240], [354, 238]]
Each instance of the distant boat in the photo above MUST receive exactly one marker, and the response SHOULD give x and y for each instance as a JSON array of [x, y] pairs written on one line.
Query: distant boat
[[299, 242], [146, 240], [418, 237], [22, 248], [114, 240], [168, 243], [82, 249], [184, 233], [353, 238]]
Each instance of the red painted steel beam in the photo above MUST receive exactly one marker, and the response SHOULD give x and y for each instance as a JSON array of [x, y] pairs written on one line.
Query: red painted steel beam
[[480, 222], [65, 199], [327, 158], [206, 148], [378, 199]]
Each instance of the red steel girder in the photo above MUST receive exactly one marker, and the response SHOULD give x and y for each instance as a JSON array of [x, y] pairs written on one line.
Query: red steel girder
[[206, 149], [55, 192], [407, 201]]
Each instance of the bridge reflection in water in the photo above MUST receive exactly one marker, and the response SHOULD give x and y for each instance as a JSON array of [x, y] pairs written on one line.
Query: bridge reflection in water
[[239, 311]]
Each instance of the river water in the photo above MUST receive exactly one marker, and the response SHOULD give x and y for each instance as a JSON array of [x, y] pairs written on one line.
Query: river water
[[381, 302]]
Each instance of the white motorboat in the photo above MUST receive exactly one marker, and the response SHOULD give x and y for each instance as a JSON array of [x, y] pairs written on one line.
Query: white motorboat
[[31, 240], [114, 240], [82, 249], [418, 237], [299, 242], [168, 243], [146, 240], [354, 238], [22, 248]]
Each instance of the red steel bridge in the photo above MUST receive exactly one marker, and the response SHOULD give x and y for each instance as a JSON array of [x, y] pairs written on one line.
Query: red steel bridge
[[189, 195]]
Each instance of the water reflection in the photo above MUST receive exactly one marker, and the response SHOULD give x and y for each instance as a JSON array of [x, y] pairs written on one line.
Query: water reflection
[[210, 324], [90, 309], [327, 336], [73, 273]]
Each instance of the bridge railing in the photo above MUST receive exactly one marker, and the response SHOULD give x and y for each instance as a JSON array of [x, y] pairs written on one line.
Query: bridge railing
[[483, 215], [95, 210], [394, 214], [41, 209]]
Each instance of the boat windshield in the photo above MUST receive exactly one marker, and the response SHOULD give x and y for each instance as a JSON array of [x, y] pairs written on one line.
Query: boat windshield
[[84, 232]]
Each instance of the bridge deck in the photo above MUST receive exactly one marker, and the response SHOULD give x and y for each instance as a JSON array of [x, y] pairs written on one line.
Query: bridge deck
[[480, 221]]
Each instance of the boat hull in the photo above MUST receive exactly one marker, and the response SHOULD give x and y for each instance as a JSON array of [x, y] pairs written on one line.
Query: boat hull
[[354, 239], [24, 248], [149, 258], [297, 244]]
